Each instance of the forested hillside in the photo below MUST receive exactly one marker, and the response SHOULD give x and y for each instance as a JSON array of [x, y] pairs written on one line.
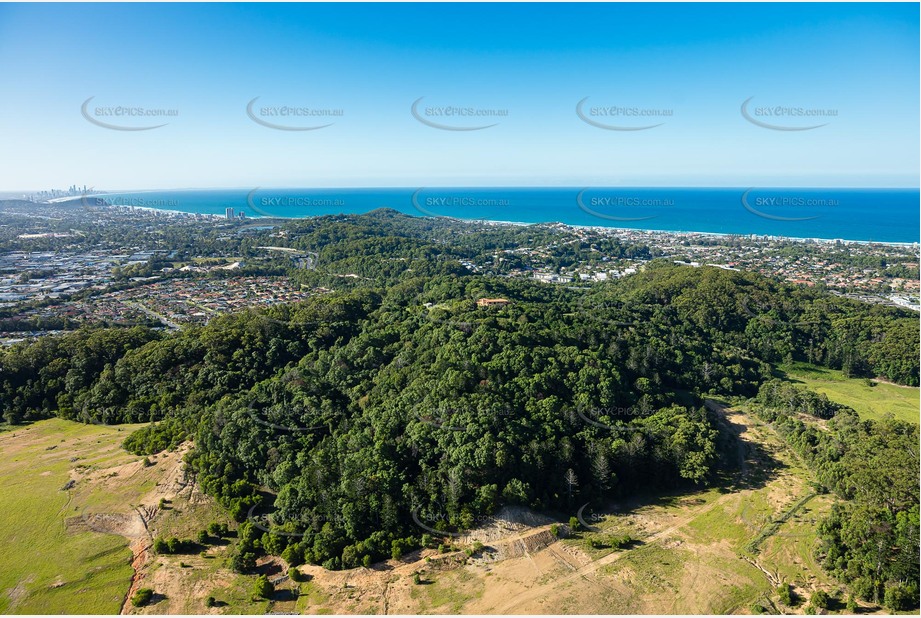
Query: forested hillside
[[356, 415]]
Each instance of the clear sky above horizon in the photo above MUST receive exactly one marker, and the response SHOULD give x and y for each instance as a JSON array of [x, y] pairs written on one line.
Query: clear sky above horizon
[[695, 63]]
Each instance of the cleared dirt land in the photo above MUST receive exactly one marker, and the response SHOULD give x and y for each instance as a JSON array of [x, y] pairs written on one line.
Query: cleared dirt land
[[84, 548]]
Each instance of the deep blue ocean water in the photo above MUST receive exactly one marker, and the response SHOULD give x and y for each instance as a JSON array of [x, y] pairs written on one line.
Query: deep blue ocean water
[[882, 215]]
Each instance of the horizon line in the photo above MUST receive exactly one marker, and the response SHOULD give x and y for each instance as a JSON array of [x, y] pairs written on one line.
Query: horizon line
[[469, 186]]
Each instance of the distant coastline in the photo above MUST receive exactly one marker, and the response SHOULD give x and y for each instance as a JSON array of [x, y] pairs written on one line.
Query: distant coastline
[[877, 216]]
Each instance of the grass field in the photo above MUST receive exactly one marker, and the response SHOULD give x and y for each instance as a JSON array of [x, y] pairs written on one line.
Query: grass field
[[58, 558], [447, 593], [46, 568], [873, 402], [723, 549]]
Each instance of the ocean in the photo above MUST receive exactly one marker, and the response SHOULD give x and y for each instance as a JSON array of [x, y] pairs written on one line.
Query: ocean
[[871, 215]]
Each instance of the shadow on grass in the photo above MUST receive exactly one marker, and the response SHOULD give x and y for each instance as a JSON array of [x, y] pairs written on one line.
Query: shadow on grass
[[382, 567], [268, 568], [285, 595], [743, 464]]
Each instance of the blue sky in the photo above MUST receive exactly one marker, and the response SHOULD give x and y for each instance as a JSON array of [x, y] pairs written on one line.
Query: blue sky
[[698, 63]]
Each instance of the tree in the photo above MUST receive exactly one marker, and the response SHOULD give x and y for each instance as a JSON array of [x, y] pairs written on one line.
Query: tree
[[218, 530], [820, 599], [273, 544], [293, 555], [349, 364], [851, 605], [601, 470], [243, 562], [899, 597], [516, 492], [571, 481], [263, 588]]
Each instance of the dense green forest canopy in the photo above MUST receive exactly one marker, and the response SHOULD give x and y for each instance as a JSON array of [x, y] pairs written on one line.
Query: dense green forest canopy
[[356, 415], [870, 540]]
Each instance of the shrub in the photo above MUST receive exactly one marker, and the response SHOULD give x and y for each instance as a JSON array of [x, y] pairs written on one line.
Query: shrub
[[574, 524], [333, 564], [476, 548], [366, 560], [785, 592], [154, 438], [297, 576], [202, 537], [623, 541], [210, 602], [142, 597], [417, 579]]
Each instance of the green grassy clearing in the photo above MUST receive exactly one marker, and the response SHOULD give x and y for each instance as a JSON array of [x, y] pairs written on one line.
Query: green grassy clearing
[[904, 403], [46, 567]]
